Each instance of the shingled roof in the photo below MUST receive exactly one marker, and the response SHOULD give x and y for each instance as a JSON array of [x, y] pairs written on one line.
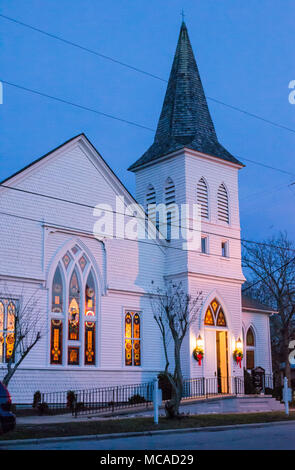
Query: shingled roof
[[185, 119]]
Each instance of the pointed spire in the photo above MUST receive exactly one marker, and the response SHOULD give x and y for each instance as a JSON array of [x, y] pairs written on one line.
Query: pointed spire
[[185, 120]]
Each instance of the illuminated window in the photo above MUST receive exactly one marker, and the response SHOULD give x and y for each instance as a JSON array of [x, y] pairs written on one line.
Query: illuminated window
[[57, 292], [73, 314], [74, 308], [8, 312], [209, 320], [215, 315], [56, 342], [132, 339]]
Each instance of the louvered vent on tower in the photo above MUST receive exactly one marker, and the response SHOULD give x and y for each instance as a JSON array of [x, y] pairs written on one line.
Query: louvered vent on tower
[[202, 198], [222, 203], [151, 203]]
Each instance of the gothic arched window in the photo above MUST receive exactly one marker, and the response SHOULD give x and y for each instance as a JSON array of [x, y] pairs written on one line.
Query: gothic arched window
[[202, 198], [214, 315], [250, 349], [73, 311], [222, 204]]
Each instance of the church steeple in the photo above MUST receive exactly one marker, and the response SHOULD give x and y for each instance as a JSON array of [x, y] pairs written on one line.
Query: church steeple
[[185, 119]]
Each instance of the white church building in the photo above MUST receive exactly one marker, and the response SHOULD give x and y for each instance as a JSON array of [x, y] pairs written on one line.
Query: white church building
[[92, 290]]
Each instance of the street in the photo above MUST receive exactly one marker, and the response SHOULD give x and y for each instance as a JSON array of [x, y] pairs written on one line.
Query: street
[[275, 437]]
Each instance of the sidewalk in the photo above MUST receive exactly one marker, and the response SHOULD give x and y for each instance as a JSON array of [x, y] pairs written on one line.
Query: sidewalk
[[213, 405]]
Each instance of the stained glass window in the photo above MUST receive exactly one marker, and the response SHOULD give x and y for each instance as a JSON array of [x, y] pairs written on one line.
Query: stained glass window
[[221, 318], [56, 342], [8, 314], [73, 336], [1, 332], [73, 356], [209, 320], [89, 343], [215, 315], [10, 331], [74, 308], [82, 262], [132, 339], [57, 292], [67, 259], [90, 299]]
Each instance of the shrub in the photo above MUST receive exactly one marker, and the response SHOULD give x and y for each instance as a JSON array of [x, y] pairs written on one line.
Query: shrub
[[135, 399], [36, 399], [268, 391]]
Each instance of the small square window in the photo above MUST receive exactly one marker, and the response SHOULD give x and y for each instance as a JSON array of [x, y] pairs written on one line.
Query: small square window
[[224, 249], [204, 244]]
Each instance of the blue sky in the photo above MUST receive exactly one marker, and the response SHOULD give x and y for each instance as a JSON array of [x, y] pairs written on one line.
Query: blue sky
[[245, 54]]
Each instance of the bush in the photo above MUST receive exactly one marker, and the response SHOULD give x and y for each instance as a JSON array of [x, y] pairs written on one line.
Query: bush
[[135, 399], [36, 399], [268, 391]]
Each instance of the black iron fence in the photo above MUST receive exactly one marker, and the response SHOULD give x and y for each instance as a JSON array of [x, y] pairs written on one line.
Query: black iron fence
[[98, 399], [111, 399], [207, 387]]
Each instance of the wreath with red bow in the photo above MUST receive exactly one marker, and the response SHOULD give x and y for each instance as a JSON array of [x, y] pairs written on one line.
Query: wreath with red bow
[[238, 356], [198, 355]]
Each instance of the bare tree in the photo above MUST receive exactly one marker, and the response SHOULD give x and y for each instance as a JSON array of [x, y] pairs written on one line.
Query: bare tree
[[174, 310], [23, 333], [271, 265]]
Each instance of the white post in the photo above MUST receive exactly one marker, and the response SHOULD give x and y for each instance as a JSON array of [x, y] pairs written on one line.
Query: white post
[[285, 395], [156, 401]]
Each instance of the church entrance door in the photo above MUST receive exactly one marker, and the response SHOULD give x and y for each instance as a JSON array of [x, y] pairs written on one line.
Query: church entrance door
[[222, 361]]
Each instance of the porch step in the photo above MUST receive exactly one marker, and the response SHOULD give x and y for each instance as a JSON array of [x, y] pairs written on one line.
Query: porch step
[[239, 404]]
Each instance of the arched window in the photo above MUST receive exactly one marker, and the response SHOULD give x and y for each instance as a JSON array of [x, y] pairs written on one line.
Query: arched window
[[214, 315], [57, 292], [132, 339], [73, 311], [202, 198], [222, 204], [250, 349], [170, 205]]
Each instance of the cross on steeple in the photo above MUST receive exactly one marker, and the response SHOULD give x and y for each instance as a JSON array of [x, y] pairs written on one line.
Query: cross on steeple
[[182, 15]]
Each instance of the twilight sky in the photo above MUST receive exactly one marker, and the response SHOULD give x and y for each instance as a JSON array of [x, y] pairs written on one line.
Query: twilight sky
[[245, 54]]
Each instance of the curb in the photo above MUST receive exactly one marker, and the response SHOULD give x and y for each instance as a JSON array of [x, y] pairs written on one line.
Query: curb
[[142, 433]]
